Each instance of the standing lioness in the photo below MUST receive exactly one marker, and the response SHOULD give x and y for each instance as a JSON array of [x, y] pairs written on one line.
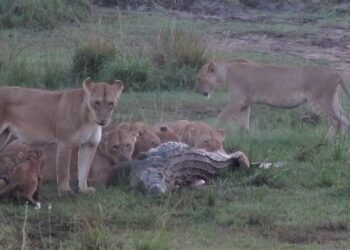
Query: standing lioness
[[284, 87], [69, 118]]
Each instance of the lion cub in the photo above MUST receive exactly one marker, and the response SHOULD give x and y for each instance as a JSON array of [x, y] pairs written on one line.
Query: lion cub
[[198, 134], [23, 180]]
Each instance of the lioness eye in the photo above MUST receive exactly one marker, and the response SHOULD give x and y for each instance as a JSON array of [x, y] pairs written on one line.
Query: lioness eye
[[128, 145], [111, 104], [115, 147], [206, 142], [97, 103]]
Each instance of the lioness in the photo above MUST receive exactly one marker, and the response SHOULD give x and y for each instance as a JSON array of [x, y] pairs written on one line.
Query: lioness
[[116, 145], [23, 180], [251, 83], [146, 138], [198, 134], [68, 118]]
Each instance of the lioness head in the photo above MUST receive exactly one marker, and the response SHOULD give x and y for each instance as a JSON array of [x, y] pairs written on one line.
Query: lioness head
[[118, 144], [209, 78], [101, 99], [145, 141], [201, 136], [211, 141]]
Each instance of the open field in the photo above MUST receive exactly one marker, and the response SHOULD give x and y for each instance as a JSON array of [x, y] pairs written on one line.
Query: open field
[[304, 205]]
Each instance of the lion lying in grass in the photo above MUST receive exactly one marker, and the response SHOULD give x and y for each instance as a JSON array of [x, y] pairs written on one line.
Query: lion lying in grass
[[250, 83]]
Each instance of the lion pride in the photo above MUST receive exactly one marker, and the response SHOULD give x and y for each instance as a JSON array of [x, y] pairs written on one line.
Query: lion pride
[[71, 118], [250, 83]]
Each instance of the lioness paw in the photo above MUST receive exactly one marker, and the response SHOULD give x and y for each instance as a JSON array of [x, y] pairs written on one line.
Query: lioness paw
[[89, 190], [63, 192]]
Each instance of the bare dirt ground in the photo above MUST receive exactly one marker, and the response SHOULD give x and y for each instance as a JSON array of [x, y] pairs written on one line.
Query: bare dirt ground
[[331, 44]]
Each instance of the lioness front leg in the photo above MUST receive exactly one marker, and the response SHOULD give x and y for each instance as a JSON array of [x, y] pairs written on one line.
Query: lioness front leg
[[85, 157], [62, 168]]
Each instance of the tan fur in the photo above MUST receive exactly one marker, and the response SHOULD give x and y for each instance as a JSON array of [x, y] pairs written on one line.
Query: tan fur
[[198, 134], [71, 118], [166, 134], [177, 126], [24, 178], [163, 132], [116, 145], [13, 153], [146, 138], [251, 83]]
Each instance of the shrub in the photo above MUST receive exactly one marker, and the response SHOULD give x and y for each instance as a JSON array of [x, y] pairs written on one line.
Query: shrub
[[180, 47], [89, 59], [133, 71], [178, 54], [41, 13]]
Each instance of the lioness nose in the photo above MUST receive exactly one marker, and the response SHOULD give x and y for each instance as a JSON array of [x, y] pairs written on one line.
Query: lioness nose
[[103, 122], [123, 158], [205, 93]]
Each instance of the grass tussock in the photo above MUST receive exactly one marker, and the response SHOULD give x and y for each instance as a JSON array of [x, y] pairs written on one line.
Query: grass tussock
[[135, 72], [181, 47], [92, 56]]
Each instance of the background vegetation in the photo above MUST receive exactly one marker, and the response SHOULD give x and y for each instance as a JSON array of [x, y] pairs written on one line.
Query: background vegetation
[[156, 49]]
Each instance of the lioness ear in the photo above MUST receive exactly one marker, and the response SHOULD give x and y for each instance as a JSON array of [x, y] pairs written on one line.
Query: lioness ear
[[87, 84], [141, 133], [211, 67], [118, 85], [163, 129], [221, 134], [134, 134], [20, 155]]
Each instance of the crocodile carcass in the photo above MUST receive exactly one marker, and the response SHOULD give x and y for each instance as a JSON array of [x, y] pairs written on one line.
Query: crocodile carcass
[[175, 164]]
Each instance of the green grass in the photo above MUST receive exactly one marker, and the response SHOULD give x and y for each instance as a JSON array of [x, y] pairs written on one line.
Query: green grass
[[301, 206], [304, 205]]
